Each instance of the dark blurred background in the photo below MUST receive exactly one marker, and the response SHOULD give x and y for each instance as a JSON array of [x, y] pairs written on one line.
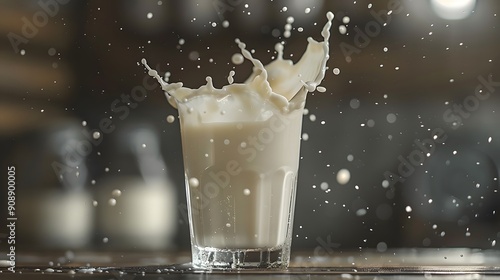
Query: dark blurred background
[[411, 111]]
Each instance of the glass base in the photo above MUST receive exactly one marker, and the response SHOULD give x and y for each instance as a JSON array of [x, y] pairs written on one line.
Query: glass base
[[214, 258]]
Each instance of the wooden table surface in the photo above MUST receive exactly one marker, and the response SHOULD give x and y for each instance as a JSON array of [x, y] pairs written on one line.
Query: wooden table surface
[[365, 264]]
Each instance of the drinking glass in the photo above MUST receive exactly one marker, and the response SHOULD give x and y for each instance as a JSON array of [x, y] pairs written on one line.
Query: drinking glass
[[241, 161]]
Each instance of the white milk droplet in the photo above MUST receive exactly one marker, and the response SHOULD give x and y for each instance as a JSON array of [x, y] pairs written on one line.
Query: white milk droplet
[[143, 145], [230, 77], [307, 10], [225, 24], [370, 123], [246, 192], [105, 240], [194, 182], [237, 59], [312, 117], [95, 203], [346, 20], [112, 201], [228, 225], [336, 71], [182, 41], [342, 29], [321, 89], [170, 119], [116, 193], [84, 123], [288, 27], [350, 157], [489, 139], [408, 209], [385, 184], [96, 135], [354, 103], [391, 118], [324, 186], [361, 212], [382, 247], [343, 176], [150, 15], [52, 51], [22, 52], [305, 136]]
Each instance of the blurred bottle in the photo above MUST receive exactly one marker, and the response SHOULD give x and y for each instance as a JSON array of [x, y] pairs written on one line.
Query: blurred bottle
[[137, 203], [54, 206]]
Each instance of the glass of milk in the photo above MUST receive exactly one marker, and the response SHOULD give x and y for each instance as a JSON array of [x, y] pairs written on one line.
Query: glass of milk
[[241, 158], [241, 148]]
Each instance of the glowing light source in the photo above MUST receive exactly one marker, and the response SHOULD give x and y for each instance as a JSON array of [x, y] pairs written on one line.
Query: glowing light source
[[453, 9]]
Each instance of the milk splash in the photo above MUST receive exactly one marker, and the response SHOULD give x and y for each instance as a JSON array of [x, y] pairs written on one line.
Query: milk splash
[[283, 84]]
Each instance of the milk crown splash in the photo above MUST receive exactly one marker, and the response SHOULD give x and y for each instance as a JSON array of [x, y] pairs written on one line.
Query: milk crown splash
[[283, 84]]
